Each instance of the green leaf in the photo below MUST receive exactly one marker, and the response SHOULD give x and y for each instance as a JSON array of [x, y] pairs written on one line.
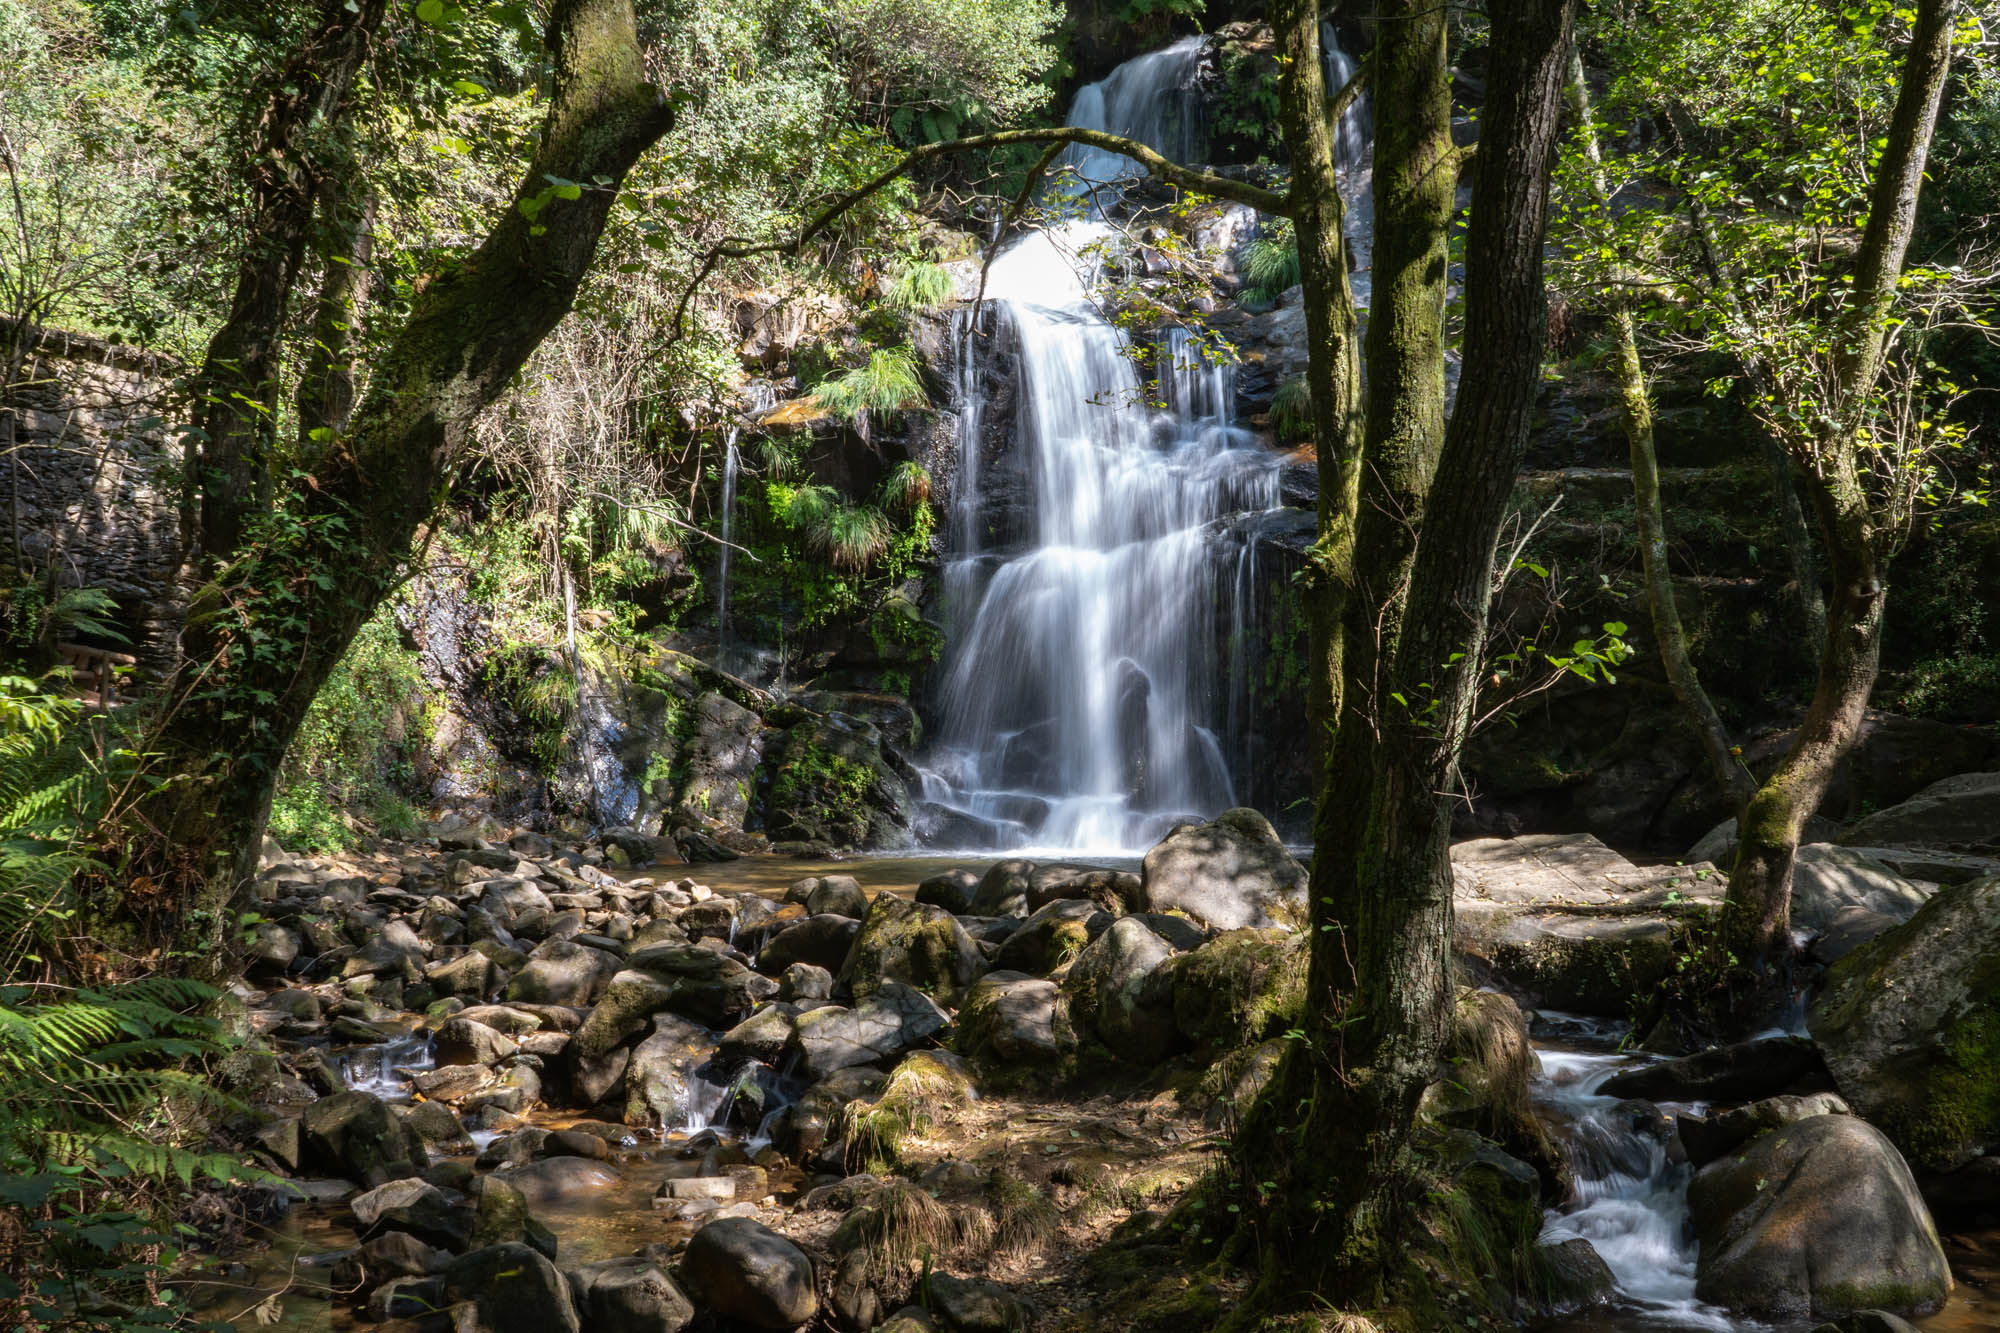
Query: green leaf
[[430, 11]]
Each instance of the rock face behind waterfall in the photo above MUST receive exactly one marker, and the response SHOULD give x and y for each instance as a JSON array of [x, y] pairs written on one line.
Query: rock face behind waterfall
[[1819, 1218], [1227, 875], [1909, 1025]]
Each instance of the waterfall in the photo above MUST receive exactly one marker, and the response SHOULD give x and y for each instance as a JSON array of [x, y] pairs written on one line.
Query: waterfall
[[1083, 691], [730, 465]]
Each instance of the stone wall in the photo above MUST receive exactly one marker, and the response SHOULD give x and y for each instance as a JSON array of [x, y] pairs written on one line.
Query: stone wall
[[90, 487]]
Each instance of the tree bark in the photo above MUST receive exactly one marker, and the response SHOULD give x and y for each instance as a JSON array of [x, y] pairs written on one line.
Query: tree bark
[[327, 384], [1636, 411], [1327, 1144], [237, 388], [266, 632], [1757, 919]]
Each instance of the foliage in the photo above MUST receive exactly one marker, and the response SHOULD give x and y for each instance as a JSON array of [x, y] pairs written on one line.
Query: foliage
[[1291, 410], [908, 486], [889, 382], [1270, 266], [919, 286], [350, 757], [102, 1102]]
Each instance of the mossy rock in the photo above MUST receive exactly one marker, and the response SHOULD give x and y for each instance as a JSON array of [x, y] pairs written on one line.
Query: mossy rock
[[1240, 987], [832, 784], [912, 942], [1909, 1025]]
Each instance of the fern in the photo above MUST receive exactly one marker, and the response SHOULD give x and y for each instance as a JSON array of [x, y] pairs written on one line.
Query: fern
[[102, 1098]]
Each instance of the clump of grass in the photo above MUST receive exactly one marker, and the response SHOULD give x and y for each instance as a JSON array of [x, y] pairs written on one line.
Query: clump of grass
[[1291, 410], [889, 382], [1270, 266], [908, 486], [924, 1089], [1023, 1217], [919, 286], [900, 1226]]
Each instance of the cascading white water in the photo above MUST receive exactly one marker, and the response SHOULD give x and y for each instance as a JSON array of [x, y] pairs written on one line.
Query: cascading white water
[[1082, 692], [385, 1069], [731, 463], [1630, 1198]]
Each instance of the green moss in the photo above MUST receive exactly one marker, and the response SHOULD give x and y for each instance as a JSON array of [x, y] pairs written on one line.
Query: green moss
[[1240, 988], [822, 796]]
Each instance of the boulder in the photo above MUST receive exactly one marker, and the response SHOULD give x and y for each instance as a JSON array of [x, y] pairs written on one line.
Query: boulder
[[1827, 880], [973, 1305], [1707, 1137], [914, 943], [952, 890], [354, 1135], [467, 977], [1958, 810], [762, 1037], [511, 1289], [1741, 1072], [743, 1270], [803, 981], [721, 758], [1113, 992], [838, 895], [1869, 1321], [896, 1019], [822, 941], [1574, 1276], [1572, 923], [1816, 1220], [1003, 890], [554, 1180], [562, 972], [1011, 1018], [1054, 934], [414, 1207], [1909, 1024], [661, 1073], [1239, 988], [461, 1041], [629, 1296], [1229, 874], [711, 988]]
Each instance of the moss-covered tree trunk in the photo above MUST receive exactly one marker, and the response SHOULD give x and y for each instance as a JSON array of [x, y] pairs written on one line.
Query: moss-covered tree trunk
[[264, 633], [1325, 1149], [1636, 414], [1834, 463]]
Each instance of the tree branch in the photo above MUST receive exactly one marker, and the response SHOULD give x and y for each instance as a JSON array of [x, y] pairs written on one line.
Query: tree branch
[[1157, 166]]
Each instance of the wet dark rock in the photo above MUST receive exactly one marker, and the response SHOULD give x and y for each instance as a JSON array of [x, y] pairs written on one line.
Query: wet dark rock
[[1745, 1071], [1961, 810], [356, 1136], [661, 1072], [1818, 1219], [417, 1208], [952, 890], [1231, 873], [1869, 1321], [511, 1288], [763, 1036], [1003, 890], [1574, 1275], [744, 1270], [461, 1041]]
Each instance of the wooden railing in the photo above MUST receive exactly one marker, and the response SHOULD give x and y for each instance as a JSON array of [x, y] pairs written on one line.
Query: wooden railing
[[94, 673]]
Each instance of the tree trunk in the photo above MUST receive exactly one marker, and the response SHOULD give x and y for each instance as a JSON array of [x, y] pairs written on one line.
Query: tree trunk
[[1325, 1147], [275, 621], [326, 386], [1636, 409], [237, 389], [1757, 919]]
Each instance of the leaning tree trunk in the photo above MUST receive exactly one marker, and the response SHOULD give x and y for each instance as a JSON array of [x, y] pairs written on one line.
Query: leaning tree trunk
[[1636, 411], [1325, 1148], [1757, 918], [269, 628], [237, 389]]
